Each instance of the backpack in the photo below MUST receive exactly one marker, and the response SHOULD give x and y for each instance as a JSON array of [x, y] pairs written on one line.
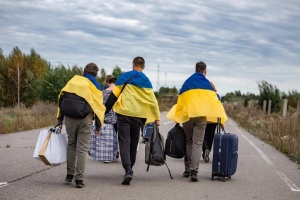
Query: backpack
[[175, 142], [147, 131], [74, 106], [154, 150]]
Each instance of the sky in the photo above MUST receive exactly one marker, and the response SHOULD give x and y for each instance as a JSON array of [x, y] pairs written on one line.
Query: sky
[[241, 42]]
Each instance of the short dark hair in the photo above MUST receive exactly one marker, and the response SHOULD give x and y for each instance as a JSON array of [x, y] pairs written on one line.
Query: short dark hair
[[139, 61], [91, 69], [112, 80], [200, 67], [107, 78]]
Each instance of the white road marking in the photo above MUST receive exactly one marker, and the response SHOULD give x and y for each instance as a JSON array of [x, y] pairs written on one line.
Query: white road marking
[[258, 150], [168, 122], [3, 184], [283, 177], [289, 183]]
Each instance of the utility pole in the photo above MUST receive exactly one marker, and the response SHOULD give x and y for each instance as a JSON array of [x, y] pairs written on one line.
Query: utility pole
[[165, 79], [18, 85], [158, 78]]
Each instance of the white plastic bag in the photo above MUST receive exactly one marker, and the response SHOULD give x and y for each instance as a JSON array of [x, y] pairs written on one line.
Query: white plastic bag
[[42, 136], [51, 147]]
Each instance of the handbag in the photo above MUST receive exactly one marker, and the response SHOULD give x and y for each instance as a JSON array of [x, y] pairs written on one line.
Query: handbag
[[51, 147]]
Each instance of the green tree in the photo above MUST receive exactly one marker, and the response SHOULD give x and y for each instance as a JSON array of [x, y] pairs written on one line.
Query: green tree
[[233, 97], [35, 71], [102, 77], [267, 91], [293, 98], [54, 80], [16, 75], [167, 90], [3, 80], [117, 72]]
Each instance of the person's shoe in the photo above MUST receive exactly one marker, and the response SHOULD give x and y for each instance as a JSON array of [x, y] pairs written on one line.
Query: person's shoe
[[127, 177], [68, 179], [186, 174], [206, 155], [79, 183], [194, 177]]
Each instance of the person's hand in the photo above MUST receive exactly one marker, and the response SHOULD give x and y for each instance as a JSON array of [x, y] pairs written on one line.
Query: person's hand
[[158, 122], [97, 131], [59, 123]]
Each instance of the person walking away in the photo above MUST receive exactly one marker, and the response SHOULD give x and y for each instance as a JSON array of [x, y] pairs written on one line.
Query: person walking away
[[80, 101], [135, 106], [111, 117], [197, 102], [106, 81], [209, 133]]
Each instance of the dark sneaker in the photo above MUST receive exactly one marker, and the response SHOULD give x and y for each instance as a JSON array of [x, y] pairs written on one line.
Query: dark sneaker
[[186, 174], [194, 177], [79, 183], [68, 179], [127, 177], [206, 155]]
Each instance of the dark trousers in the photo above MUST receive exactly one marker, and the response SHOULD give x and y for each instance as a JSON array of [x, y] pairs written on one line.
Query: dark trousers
[[209, 136], [129, 135]]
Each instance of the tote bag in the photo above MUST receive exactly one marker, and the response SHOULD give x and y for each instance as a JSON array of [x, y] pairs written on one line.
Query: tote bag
[[52, 147]]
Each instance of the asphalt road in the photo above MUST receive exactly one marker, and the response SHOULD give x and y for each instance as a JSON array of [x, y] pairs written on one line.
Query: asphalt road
[[262, 173]]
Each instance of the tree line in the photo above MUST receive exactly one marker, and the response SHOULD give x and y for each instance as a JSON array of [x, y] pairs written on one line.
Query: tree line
[[25, 79], [267, 91]]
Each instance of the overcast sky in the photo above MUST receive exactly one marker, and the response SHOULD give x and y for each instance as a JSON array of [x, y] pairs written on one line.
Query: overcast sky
[[241, 42]]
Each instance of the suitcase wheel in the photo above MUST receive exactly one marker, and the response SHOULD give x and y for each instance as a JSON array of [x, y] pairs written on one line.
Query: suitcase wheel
[[223, 179]]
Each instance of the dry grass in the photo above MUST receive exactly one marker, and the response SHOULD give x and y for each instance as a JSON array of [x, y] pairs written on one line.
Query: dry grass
[[20, 119], [281, 132], [40, 115]]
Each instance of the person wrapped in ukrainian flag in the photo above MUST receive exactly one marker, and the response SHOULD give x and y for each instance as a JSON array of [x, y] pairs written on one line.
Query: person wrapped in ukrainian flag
[[134, 102], [197, 104]]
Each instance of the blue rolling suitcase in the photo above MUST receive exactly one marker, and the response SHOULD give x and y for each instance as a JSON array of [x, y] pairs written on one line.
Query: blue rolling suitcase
[[225, 154]]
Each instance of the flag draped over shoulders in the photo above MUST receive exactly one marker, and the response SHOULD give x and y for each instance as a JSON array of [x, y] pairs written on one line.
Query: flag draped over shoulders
[[197, 98], [84, 88], [137, 99]]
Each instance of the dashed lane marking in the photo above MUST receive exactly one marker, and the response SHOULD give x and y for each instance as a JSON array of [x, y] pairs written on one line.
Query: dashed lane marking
[[3, 184], [168, 122], [258, 150], [283, 177], [287, 181]]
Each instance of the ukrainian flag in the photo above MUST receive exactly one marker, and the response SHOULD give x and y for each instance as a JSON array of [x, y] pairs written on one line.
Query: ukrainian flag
[[137, 98], [197, 98], [84, 88]]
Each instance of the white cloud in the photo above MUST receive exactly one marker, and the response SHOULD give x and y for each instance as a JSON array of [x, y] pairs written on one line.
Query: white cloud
[[241, 41]]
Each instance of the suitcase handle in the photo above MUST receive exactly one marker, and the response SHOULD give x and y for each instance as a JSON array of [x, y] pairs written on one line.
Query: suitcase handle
[[220, 127]]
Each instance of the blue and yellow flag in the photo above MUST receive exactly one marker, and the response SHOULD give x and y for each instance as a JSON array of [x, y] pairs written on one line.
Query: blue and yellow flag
[[197, 98], [137, 98], [84, 88]]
